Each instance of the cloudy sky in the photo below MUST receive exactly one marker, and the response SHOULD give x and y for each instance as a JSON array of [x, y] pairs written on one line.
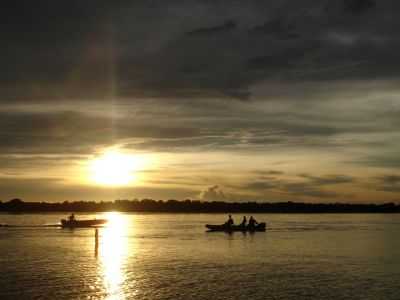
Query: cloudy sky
[[219, 100]]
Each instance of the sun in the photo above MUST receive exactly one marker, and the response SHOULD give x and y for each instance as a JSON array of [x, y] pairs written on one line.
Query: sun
[[114, 168]]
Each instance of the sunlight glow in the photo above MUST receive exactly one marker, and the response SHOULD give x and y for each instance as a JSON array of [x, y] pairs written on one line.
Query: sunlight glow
[[114, 168], [113, 251]]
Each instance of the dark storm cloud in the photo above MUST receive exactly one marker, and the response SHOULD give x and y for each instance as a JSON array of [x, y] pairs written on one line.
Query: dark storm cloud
[[254, 134], [74, 132], [95, 49], [277, 28], [148, 129], [285, 59], [60, 132], [203, 125], [359, 6], [225, 27], [223, 127]]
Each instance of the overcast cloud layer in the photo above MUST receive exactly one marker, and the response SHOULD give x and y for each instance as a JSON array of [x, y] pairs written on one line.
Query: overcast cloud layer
[[254, 100]]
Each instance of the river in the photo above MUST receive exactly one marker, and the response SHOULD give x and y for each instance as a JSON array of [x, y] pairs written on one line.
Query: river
[[171, 256]]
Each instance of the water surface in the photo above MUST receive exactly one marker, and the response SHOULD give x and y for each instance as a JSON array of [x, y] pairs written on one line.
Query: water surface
[[170, 256]]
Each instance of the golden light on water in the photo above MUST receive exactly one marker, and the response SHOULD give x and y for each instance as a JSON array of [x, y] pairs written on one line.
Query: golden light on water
[[114, 168], [113, 250]]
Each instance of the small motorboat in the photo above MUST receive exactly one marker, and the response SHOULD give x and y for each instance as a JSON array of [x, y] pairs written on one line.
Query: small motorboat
[[231, 228], [82, 223]]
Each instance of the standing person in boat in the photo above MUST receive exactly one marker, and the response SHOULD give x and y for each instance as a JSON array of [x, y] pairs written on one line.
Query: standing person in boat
[[252, 223], [71, 218]]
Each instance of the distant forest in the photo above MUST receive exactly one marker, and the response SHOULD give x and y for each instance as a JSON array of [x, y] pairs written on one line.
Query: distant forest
[[195, 206]]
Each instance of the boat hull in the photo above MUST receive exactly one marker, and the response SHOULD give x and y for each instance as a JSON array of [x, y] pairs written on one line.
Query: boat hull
[[232, 228], [82, 223]]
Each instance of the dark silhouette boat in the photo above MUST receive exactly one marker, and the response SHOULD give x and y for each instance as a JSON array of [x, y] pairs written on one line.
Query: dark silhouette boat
[[231, 228], [82, 223]]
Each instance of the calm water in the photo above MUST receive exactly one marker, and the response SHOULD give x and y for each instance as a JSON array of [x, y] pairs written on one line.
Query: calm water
[[170, 256]]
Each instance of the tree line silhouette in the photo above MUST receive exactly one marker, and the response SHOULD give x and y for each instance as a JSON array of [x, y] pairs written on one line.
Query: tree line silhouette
[[195, 206]]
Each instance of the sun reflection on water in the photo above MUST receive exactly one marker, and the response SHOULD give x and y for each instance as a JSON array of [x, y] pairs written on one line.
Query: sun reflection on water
[[113, 250]]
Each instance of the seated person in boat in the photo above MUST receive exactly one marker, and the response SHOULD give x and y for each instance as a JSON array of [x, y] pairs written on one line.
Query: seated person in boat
[[243, 224], [230, 221], [252, 222]]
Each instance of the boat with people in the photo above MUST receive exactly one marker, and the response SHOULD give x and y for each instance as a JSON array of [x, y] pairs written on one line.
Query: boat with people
[[229, 226], [71, 222]]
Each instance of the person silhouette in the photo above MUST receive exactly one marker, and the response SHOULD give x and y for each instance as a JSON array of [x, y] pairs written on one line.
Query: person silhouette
[[252, 223], [230, 221], [71, 217]]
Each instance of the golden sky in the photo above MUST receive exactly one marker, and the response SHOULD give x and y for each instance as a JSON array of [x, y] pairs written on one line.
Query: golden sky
[[194, 99]]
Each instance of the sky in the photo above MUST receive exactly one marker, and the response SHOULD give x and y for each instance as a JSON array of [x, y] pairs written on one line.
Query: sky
[[214, 100]]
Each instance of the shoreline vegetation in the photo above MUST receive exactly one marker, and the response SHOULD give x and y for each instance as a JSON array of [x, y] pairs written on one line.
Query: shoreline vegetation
[[194, 206]]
